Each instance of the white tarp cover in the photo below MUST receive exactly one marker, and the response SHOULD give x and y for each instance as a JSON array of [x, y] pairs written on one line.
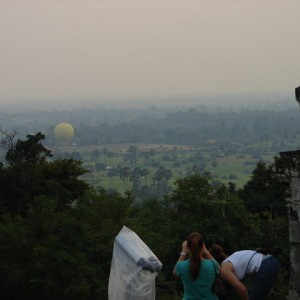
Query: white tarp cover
[[133, 268]]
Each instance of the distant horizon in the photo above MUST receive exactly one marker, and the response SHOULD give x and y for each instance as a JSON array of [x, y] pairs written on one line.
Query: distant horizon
[[135, 98], [240, 99]]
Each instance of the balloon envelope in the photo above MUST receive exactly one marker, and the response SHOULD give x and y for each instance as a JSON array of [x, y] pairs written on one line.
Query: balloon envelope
[[63, 132]]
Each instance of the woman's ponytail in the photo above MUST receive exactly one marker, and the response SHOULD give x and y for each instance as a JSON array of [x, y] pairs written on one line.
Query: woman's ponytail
[[195, 244]]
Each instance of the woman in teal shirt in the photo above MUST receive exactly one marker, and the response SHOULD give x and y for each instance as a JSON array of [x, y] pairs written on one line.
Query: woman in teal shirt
[[197, 273]]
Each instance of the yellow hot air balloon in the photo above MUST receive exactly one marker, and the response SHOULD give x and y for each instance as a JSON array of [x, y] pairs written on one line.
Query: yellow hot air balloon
[[63, 132]]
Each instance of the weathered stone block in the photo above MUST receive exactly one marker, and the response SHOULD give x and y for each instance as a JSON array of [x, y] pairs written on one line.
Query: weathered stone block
[[294, 227], [295, 188], [294, 293]]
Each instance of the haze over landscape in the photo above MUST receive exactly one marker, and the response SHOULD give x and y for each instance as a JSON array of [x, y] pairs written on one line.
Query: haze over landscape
[[103, 50]]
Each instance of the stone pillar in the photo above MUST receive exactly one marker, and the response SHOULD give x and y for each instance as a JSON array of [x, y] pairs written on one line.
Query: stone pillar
[[288, 170]]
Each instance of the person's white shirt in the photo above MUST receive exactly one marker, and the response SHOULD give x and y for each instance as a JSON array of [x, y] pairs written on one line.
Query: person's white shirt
[[241, 259]]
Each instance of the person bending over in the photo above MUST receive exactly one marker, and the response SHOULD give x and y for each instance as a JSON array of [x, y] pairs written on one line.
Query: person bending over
[[258, 264]]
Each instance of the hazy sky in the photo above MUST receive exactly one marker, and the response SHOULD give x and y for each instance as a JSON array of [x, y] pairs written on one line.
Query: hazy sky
[[95, 49]]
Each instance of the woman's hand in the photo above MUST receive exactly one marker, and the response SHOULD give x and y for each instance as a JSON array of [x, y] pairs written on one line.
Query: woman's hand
[[205, 253], [184, 252], [184, 248]]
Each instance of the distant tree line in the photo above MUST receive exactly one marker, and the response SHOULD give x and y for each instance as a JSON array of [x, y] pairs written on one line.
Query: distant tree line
[[182, 126], [196, 127]]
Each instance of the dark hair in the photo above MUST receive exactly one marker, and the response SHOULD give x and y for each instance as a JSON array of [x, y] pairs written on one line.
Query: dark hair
[[218, 253], [195, 244], [262, 250]]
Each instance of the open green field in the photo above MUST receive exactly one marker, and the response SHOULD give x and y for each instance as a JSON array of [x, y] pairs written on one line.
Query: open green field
[[179, 160], [234, 165]]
